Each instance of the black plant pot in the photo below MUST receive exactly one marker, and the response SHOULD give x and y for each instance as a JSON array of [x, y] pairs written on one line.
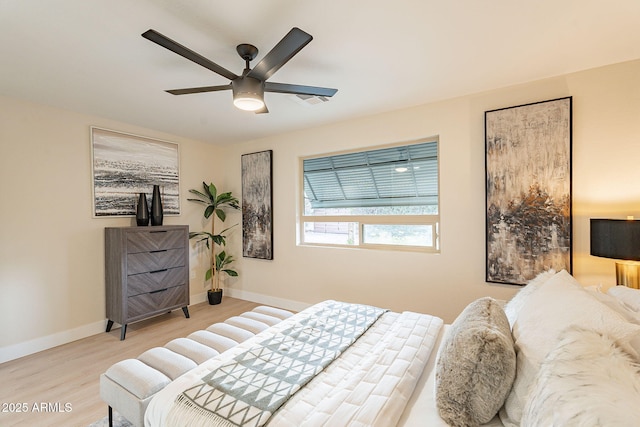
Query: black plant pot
[[214, 297], [142, 211], [156, 206]]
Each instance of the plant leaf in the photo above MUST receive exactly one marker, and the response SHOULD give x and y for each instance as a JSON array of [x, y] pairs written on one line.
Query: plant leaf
[[199, 194], [206, 189], [199, 201], [208, 211], [213, 191], [219, 239], [224, 197], [221, 214], [226, 229]]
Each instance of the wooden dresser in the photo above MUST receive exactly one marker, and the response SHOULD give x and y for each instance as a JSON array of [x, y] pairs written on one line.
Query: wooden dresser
[[146, 272]]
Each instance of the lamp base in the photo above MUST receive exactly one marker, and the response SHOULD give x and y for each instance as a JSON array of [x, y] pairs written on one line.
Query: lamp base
[[628, 274]]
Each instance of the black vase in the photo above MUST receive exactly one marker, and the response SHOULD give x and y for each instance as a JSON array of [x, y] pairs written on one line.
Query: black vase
[[156, 207], [142, 211]]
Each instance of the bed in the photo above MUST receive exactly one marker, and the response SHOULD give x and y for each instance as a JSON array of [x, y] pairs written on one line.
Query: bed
[[495, 366]]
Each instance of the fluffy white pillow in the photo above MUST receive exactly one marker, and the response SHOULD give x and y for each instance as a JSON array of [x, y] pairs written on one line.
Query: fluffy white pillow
[[586, 380], [630, 297], [559, 304], [476, 365], [512, 308]]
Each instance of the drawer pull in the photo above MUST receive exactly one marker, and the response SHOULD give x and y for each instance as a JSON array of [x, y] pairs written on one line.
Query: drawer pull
[[159, 250], [158, 271], [159, 290], [158, 231]]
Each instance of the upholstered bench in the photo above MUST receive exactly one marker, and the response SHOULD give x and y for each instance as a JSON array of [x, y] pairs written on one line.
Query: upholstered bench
[[129, 385]]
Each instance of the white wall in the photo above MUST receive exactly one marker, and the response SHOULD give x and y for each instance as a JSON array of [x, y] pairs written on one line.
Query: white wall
[[606, 126], [51, 248]]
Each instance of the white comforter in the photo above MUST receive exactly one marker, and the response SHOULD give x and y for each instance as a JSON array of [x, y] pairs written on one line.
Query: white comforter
[[368, 385]]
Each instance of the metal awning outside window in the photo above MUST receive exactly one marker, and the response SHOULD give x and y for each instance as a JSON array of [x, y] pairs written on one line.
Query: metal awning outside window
[[397, 176]]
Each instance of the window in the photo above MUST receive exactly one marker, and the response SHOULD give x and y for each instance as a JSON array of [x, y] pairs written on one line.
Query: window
[[382, 198]]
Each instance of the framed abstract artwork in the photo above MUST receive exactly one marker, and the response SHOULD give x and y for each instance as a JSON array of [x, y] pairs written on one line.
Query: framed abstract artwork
[[257, 200], [528, 190], [126, 165]]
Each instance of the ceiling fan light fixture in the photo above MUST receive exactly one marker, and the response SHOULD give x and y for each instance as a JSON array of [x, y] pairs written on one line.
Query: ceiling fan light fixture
[[247, 103], [248, 94]]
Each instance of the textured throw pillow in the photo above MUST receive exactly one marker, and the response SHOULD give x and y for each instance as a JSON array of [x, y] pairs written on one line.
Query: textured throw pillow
[[515, 304], [586, 380], [562, 302], [629, 297], [475, 366]]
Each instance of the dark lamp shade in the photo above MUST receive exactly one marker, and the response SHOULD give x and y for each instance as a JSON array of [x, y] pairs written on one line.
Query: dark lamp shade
[[616, 238]]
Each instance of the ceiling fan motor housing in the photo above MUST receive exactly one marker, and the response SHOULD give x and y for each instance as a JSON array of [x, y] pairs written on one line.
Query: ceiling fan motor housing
[[248, 93]]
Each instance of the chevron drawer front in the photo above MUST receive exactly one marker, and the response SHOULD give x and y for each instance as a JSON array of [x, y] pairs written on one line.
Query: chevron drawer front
[[140, 305], [143, 262], [146, 272], [154, 281], [155, 240]]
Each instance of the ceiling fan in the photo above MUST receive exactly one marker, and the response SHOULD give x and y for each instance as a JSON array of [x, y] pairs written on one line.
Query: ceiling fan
[[248, 88]]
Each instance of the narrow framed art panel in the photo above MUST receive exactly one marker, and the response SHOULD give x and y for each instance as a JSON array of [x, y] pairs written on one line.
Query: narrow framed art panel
[[126, 165], [528, 190], [257, 201]]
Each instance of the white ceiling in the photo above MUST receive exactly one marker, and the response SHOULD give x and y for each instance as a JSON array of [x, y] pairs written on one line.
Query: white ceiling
[[381, 55]]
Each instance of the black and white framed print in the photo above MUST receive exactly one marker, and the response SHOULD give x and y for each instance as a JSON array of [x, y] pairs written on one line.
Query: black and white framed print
[[257, 200], [126, 165], [528, 190]]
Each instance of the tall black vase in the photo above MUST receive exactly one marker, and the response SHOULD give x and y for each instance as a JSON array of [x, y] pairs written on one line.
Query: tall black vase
[[142, 211], [156, 207]]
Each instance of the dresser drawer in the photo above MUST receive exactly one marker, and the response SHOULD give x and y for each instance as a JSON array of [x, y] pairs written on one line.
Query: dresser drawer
[[152, 281], [154, 240], [141, 305], [144, 262]]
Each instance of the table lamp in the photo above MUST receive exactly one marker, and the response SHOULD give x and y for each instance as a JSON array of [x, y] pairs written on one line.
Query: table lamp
[[619, 239]]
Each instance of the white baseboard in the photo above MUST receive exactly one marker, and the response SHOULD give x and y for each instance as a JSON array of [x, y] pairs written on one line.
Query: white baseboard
[[287, 304], [197, 298], [15, 351]]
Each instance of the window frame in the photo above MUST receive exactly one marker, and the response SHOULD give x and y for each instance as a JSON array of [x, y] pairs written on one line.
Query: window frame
[[432, 220]]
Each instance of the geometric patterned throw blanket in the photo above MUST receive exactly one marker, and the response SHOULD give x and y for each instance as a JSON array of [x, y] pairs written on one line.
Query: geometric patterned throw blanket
[[248, 389]]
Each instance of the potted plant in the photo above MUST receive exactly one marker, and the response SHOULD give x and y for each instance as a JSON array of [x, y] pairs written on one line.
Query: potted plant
[[219, 262]]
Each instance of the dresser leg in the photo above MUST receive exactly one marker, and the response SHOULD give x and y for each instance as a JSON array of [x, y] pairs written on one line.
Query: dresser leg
[[123, 332], [110, 416], [185, 310], [109, 325]]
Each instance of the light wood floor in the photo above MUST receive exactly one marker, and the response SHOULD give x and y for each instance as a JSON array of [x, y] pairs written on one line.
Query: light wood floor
[[69, 374]]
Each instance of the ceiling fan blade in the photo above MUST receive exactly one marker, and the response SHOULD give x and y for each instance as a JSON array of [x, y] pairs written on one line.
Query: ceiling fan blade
[[185, 52], [299, 89], [286, 49], [199, 89]]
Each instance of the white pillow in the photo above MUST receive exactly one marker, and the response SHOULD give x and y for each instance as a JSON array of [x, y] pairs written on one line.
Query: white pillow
[[630, 297], [512, 308], [615, 304], [586, 380], [559, 304]]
